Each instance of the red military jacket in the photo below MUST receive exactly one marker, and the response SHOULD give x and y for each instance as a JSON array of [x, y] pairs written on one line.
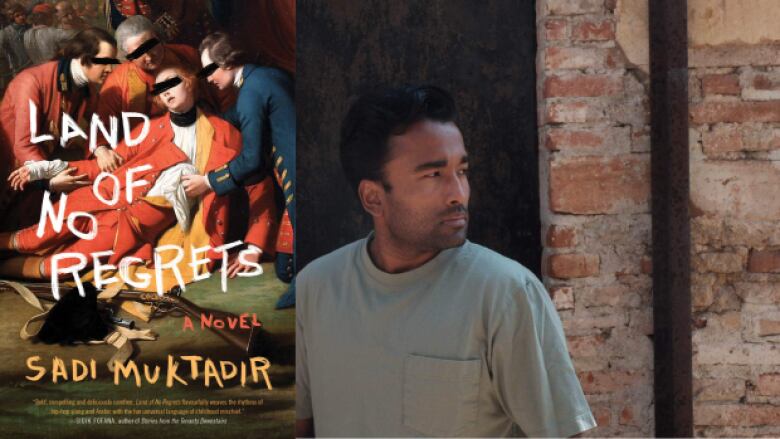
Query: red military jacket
[[159, 152], [52, 95], [49, 89], [128, 88]]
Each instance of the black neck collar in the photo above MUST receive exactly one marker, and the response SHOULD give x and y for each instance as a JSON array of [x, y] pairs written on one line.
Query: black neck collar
[[184, 119]]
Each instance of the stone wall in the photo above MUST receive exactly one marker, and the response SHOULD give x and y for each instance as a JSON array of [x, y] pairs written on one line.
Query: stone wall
[[595, 186], [593, 79], [735, 207]]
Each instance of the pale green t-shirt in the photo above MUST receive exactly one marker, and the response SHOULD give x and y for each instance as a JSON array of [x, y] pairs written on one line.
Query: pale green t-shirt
[[469, 344]]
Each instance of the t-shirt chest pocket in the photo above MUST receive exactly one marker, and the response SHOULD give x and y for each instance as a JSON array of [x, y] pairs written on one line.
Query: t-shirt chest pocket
[[440, 396]]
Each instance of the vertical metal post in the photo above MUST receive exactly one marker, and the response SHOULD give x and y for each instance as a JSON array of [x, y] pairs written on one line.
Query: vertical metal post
[[671, 223]]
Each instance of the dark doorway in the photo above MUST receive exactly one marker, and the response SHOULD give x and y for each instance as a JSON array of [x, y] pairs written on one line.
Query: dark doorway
[[482, 52]]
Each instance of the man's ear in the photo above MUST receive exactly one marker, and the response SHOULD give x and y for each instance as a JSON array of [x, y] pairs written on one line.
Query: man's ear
[[371, 194]]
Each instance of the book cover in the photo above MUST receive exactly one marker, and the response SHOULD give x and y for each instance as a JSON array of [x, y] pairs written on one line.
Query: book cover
[[147, 226]]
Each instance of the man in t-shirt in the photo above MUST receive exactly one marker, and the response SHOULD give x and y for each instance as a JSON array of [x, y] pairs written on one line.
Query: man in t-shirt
[[415, 331]]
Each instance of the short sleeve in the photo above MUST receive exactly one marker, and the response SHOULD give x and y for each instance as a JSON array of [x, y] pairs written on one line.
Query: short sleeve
[[533, 375], [303, 407]]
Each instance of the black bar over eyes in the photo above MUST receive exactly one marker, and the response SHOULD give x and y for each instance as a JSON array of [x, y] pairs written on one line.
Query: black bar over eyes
[[165, 85], [142, 49], [208, 70], [101, 60]]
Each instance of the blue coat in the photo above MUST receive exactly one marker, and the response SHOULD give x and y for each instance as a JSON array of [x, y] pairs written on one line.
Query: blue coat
[[265, 114]]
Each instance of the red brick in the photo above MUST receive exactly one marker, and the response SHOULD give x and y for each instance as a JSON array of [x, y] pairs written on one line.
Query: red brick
[[594, 185], [560, 236], [574, 7], [768, 327], [574, 112], [729, 138], [764, 261], [722, 138], [720, 85], [581, 58], [769, 384], [582, 86], [573, 265], [646, 265], [627, 417], [602, 414], [762, 82], [587, 30], [713, 112], [555, 29], [736, 415], [609, 381], [590, 139], [559, 138]]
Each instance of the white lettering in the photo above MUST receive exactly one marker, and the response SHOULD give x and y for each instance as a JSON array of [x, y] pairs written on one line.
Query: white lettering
[[70, 129], [34, 126], [126, 125], [111, 134]]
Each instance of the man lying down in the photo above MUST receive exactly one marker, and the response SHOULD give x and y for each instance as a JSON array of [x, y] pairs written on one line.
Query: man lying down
[[122, 216]]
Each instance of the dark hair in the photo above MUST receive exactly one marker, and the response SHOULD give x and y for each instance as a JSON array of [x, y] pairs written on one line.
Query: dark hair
[[224, 50], [379, 114], [85, 44], [14, 8]]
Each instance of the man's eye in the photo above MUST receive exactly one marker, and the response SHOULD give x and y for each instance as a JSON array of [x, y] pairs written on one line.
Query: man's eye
[[464, 171], [433, 174]]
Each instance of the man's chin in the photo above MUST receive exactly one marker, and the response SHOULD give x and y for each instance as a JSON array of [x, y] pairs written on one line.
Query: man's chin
[[451, 240]]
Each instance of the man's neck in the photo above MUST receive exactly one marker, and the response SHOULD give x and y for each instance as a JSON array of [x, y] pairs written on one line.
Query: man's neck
[[393, 257]]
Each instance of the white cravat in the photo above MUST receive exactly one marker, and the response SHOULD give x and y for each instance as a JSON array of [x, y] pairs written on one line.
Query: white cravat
[[239, 78], [77, 72], [169, 185]]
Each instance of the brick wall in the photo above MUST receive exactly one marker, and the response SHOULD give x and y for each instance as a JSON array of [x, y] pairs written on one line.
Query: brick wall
[[595, 185], [735, 204]]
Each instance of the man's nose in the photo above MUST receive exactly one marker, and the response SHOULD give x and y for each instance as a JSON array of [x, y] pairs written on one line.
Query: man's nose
[[458, 190]]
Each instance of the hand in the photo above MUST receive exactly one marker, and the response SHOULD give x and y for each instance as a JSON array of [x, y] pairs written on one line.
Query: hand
[[235, 266], [19, 178], [195, 185], [65, 181], [108, 160]]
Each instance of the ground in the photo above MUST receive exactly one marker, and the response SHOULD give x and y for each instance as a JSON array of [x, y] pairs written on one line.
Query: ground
[[272, 416]]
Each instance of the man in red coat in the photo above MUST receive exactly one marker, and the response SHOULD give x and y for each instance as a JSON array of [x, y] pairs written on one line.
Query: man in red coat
[[130, 217], [33, 108], [128, 88]]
